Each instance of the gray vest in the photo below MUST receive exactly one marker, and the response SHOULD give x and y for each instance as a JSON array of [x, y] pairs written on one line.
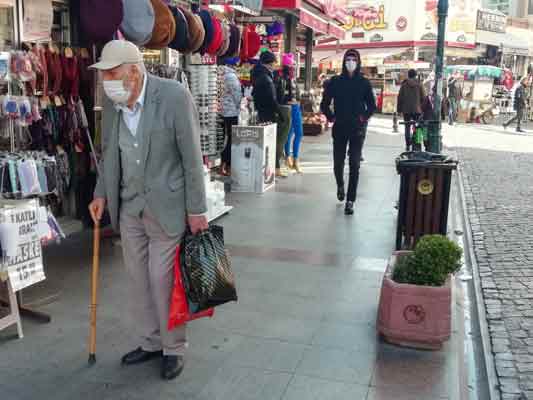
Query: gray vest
[[131, 186]]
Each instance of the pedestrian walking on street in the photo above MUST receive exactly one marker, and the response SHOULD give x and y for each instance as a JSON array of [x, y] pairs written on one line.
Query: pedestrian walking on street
[[410, 101], [267, 105], [353, 105], [231, 107], [152, 183], [520, 104], [454, 97]]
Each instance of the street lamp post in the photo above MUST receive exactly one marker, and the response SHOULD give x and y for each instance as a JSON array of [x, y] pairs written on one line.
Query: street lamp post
[[435, 137]]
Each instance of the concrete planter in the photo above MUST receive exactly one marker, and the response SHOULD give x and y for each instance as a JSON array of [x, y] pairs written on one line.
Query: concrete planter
[[412, 315]]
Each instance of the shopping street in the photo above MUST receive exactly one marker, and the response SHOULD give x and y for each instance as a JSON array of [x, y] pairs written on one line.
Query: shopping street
[[308, 281]]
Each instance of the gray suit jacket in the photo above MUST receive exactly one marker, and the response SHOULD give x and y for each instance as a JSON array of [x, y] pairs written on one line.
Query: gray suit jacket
[[172, 161]]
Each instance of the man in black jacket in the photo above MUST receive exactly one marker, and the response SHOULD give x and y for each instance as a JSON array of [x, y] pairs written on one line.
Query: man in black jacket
[[353, 105], [266, 103], [520, 105]]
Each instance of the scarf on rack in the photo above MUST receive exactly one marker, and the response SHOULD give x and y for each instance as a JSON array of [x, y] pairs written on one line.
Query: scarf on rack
[[71, 77], [55, 72], [39, 59]]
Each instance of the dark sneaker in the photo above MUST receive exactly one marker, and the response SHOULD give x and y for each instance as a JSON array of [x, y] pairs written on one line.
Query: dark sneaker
[[340, 194], [349, 208]]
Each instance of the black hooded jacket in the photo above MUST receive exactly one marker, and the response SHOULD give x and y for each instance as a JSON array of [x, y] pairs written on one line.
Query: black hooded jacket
[[352, 97], [264, 94]]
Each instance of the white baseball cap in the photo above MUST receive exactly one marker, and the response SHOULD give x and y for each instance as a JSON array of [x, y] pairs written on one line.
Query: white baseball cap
[[116, 53]]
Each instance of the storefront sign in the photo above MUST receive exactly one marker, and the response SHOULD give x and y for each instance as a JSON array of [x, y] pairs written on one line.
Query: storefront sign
[[398, 24], [38, 18], [491, 22], [20, 229], [366, 17]]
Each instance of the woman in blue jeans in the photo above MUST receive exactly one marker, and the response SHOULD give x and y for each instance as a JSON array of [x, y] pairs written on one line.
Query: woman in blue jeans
[[295, 133]]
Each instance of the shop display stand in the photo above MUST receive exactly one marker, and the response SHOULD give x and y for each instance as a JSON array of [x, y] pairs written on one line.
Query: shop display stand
[[14, 315], [15, 300]]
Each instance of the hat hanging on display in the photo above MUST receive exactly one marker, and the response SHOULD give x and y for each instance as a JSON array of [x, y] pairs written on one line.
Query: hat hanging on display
[[100, 19], [138, 22], [234, 42], [251, 43], [225, 42], [274, 29], [218, 37], [196, 31], [288, 59], [181, 38], [164, 27], [209, 30]]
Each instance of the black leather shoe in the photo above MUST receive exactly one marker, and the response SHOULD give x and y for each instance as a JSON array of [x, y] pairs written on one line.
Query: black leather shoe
[[340, 194], [139, 356], [172, 367], [349, 208]]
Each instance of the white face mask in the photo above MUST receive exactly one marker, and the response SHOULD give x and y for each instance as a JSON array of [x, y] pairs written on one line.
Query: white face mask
[[351, 66], [116, 91]]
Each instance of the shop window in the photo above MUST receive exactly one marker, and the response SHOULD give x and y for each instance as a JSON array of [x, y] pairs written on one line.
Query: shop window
[[61, 24], [7, 31]]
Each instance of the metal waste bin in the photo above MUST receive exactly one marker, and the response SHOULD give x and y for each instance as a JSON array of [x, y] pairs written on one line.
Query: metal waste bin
[[424, 196]]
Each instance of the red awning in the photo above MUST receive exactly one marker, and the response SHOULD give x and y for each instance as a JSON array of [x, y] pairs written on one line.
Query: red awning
[[314, 22]]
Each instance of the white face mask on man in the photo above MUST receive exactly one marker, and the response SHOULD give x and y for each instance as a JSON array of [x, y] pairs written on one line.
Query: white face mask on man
[[117, 93], [351, 65]]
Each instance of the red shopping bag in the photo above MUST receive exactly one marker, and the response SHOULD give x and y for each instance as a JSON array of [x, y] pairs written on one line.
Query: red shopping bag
[[179, 307]]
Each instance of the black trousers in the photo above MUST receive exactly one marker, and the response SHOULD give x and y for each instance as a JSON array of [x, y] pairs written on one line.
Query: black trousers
[[228, 123], [408, 138], [345, 138], [518, 117]]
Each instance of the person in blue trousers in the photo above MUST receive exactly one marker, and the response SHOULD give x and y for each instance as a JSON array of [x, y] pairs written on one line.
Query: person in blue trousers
[[292, 147], [288, 94]]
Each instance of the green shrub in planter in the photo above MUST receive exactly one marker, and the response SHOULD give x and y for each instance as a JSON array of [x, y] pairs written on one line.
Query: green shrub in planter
[[435, 257]]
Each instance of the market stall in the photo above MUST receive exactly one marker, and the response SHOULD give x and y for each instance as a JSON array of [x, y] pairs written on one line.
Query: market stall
[[477, 82]]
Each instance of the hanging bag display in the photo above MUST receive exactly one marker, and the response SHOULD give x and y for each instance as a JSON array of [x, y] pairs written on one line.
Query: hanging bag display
[[179, 313], [207, 275]]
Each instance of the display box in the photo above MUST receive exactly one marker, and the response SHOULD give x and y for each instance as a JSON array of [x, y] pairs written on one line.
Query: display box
[[253, 158]]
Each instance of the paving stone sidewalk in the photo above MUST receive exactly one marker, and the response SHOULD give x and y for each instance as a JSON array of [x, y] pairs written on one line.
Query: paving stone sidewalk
[[499, 197], [304, 328]]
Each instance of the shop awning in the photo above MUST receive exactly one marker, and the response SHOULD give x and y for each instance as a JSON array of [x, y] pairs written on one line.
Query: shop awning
[[472, 71], [369, 56], [313, 14]]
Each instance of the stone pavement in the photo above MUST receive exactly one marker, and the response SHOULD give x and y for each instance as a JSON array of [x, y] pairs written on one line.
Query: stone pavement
[[303, 329], [496, 166]]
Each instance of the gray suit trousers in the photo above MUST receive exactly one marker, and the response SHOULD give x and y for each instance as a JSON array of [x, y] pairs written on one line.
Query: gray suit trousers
[[149, 255]]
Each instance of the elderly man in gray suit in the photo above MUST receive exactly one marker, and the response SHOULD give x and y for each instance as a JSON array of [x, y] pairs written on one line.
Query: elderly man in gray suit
[[151, 180]]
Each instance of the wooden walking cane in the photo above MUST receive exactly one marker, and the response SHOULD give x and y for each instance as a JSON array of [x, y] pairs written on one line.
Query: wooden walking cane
[[94, 293]]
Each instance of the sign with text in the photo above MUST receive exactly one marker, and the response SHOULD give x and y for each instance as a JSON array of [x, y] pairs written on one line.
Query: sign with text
[[38, 18], [491, 22], [25, 265]]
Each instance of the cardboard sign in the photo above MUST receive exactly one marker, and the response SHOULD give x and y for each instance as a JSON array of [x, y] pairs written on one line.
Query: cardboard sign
[[25, 266]]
